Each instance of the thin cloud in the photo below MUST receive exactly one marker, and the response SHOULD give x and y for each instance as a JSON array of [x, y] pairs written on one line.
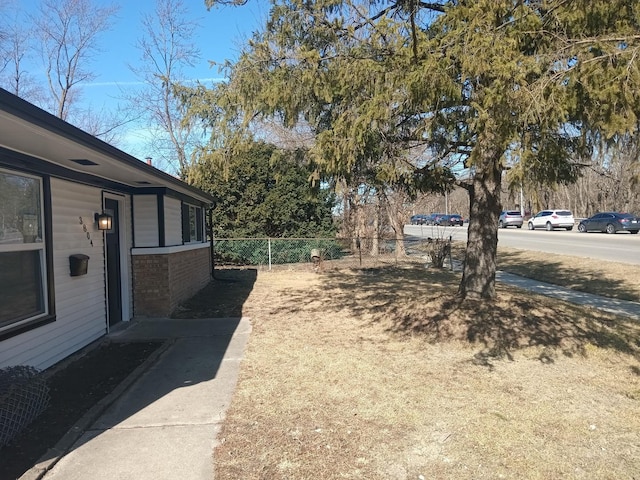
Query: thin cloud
[[109, 84], [210, 79], [135, 83]]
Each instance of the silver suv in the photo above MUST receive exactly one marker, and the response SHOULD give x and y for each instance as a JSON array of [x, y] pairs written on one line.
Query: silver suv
[[550, 219], [510, 218]]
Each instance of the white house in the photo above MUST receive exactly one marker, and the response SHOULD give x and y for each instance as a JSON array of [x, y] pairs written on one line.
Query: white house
[[63, 281]]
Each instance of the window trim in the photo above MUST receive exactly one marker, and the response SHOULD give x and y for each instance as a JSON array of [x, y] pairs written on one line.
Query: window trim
[[47, 281], [189, 212]]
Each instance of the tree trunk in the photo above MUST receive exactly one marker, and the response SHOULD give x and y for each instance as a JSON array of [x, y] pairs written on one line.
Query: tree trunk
[[375, 240], [395, 213], [479, 271], [401, 251]]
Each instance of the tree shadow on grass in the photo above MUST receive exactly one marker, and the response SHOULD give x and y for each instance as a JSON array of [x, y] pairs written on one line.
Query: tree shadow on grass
[[556, 272], [423, 302]]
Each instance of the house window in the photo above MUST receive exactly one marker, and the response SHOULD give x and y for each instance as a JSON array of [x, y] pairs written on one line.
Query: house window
[[23, 272], [192, 224]]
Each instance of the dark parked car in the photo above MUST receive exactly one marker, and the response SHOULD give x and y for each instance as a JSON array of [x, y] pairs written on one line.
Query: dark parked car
[[610, 222], [432, 218], [449, 220], [418, 219]]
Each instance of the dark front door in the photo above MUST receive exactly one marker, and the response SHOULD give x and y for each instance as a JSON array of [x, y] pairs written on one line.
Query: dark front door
[[114, 297]]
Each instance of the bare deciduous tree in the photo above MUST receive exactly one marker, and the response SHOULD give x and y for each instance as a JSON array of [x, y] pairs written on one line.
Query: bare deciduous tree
[[69, 31], [609, 183], [395, 205], [166, 49], [4, 37], [16, 49]]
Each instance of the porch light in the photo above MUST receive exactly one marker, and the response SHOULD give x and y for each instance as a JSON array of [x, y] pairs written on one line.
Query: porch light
[[104, 221]]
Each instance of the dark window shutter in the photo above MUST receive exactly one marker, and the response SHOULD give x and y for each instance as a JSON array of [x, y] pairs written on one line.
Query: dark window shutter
[[186, 237], [199, 229]]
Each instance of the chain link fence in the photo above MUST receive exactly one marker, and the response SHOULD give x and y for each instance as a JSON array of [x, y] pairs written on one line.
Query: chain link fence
[[24, 394], [327, 253]]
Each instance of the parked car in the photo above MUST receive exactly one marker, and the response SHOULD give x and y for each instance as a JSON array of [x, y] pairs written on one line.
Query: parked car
[[550, 219], [432, 218], [610, 222], [418, 219], [449, 220], [510, 218]]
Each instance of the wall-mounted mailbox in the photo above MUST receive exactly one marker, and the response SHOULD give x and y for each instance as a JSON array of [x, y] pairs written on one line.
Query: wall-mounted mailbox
[[78, 264]]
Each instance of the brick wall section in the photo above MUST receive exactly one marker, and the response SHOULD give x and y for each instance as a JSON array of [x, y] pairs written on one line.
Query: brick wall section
[[189, 272], [161, 282], [151, 285]]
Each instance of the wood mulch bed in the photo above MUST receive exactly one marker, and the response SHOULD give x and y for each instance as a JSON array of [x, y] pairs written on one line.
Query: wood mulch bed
[[75, 386]]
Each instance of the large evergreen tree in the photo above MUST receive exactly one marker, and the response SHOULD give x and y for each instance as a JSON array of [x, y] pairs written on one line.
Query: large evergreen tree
[[482, 85], [265, 192]]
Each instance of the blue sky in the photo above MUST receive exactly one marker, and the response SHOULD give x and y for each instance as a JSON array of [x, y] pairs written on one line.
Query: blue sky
[[222, 30]]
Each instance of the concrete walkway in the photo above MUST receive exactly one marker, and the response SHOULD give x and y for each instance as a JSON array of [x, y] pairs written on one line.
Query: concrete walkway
[[165, 424], [618, 307]]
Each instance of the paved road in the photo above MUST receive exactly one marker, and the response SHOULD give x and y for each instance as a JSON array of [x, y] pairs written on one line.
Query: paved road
[[621, 247]]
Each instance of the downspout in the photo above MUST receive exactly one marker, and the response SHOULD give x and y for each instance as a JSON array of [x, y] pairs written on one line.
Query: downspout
[[211, 241]]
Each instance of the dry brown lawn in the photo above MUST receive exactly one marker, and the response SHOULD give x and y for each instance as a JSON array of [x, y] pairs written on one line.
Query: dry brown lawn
[[380, 374], [616, 280]]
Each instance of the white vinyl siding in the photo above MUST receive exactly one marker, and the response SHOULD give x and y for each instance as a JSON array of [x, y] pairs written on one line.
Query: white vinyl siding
[[172, 221], [79, 301], [145, 220]]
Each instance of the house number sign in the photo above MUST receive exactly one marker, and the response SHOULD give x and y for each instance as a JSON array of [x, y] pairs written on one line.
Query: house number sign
[[85, 230]]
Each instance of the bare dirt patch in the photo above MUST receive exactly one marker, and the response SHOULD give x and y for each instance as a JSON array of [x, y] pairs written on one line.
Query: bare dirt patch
[[224, 296], [381, 374]]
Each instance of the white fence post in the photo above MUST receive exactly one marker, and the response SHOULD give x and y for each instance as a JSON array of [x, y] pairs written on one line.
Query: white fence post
[[269, 240]]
